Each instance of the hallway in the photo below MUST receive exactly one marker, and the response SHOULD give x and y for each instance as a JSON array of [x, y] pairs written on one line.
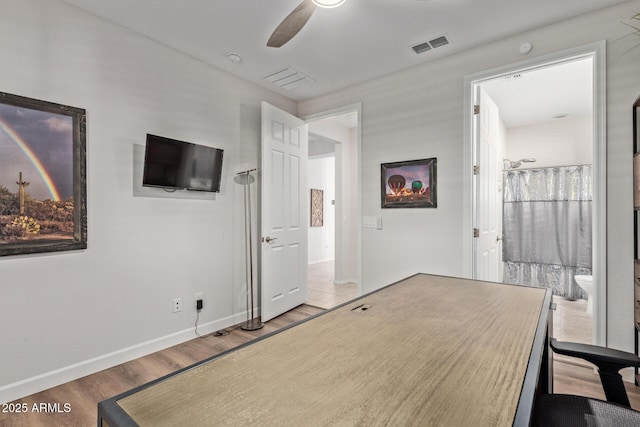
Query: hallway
[[323, 292]]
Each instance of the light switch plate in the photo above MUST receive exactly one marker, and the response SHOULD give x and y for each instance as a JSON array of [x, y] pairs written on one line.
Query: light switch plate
[[372, 222]]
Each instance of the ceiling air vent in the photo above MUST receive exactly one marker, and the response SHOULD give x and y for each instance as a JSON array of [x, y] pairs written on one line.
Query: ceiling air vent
[[437, 42], [288, 78], [431, 44], [422, 47]]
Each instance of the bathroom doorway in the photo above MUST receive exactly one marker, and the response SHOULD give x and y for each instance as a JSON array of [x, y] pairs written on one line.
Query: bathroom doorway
[[538, 149], [546, 187]]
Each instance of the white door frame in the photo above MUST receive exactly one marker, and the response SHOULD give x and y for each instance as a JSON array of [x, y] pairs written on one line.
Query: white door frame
[[488, 210], [336, 112], [596, 51]]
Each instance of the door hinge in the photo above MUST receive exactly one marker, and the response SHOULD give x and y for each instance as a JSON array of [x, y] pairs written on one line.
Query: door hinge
[[476, 109], [476, 232], [476, 169]]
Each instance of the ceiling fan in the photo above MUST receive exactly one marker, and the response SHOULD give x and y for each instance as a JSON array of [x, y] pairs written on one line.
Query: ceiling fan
[[297, 19]]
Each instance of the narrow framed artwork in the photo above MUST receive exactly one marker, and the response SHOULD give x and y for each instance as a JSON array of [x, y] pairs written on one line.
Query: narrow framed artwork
[[43, 201], [316, 208], [410, 184]]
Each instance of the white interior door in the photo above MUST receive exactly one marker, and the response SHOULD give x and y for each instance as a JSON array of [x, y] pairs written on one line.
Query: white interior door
[[284, 212], [488, 191]]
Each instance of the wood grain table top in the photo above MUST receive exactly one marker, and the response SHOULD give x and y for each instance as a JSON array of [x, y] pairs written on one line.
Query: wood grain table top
[[427, 351]]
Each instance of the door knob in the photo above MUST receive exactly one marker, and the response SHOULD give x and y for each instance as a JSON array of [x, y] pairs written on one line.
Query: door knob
[[270, 239], [498, 238]]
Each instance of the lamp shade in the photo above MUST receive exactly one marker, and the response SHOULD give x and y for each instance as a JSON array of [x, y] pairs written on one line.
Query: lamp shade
[[328, 3]]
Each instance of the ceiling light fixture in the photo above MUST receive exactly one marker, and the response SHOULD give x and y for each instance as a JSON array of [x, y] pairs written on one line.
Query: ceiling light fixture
[[328, 3]]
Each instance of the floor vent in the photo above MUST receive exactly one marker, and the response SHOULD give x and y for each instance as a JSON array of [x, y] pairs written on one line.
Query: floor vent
[[431, 44], [288, 78]]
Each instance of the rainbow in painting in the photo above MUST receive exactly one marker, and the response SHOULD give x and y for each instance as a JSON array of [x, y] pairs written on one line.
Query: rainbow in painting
[[33, 158]]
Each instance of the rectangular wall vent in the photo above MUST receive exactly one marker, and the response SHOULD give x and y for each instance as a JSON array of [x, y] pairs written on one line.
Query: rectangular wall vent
[[431, 44], [288, 78]]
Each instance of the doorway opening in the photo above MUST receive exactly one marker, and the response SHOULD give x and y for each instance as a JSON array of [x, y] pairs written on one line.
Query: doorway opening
[[525, 153], [333, 248]]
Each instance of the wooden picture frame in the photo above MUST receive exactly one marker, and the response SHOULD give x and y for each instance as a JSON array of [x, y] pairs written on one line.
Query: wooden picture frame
[[636, 154], [636, 223], [43, 200], [317, 213], [409, 184]]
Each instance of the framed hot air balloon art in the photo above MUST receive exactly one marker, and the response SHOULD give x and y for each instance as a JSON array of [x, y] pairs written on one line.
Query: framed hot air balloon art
[[43, 202], [410, 184]]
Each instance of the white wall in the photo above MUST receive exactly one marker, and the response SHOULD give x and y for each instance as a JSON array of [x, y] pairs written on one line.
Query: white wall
[[321, 176], [67, 314], [419, 113], [561, 142], [349, 176]]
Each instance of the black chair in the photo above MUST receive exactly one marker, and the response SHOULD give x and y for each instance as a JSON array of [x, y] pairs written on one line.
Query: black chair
[[568, 410]]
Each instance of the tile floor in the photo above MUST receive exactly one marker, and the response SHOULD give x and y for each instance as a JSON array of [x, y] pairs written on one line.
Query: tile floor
[[571, 322], [323, 292]]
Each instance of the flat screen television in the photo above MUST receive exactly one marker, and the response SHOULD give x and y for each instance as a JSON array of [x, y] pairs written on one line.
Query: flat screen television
[[173, 164]]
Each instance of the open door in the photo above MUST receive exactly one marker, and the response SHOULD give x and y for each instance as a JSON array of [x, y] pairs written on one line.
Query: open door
[[284, 212], [487, 232]]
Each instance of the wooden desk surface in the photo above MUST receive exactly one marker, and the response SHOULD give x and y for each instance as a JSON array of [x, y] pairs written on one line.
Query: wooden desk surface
[[429, 350]]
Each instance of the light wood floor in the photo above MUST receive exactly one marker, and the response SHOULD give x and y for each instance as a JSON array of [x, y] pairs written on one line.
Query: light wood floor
[[571, 322], [84, 394]]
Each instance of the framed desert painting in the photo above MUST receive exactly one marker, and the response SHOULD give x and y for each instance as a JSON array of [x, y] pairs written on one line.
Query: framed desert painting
[[42, 176], [316, 208], [409, 184]]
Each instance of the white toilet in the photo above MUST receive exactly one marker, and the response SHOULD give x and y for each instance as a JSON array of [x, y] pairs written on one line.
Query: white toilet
[[586, 283]]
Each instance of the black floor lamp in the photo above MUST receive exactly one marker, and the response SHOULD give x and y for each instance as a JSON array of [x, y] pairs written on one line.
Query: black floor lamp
[[245, 179]]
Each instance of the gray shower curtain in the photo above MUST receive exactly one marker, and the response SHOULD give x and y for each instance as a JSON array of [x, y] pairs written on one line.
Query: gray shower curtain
[[547, 227]]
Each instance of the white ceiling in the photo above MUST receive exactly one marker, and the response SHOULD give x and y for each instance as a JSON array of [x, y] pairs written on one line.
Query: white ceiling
[[355, 42], [546, 94]]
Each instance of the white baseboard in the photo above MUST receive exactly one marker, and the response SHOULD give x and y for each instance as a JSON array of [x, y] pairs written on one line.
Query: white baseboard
[[344, 282], [320, 261], [38, 383]]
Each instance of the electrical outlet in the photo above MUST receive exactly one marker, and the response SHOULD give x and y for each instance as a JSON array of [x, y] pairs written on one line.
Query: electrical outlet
[[177, 305], [199, 301]]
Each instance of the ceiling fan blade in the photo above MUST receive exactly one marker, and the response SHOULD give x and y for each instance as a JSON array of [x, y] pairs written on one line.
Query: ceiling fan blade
[[292, 24]]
